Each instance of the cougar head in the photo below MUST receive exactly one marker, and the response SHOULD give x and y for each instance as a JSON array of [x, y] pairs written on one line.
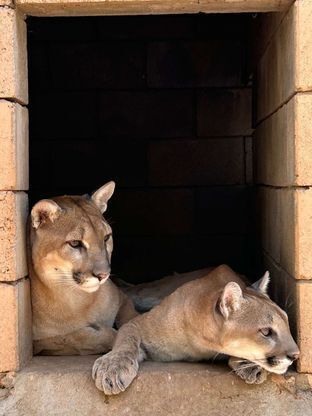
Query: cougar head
[[70, 242], [255, 328]]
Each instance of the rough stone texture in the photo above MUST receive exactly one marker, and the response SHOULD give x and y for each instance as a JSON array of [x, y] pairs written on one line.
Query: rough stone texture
[[303, 222], [286, 228], [59, 385], [6, 3], [224, 112], [276, 70], [286, 65], [14, 146], [274, 142], [304, 325], [283, 145], [197, 162], [304, 45], [13, 214], [98, 7], [15, 325], [13, 56], [303, 138]]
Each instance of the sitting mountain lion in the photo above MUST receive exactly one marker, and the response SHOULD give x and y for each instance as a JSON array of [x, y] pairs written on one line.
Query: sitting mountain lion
[[75, 304], [213, 314]]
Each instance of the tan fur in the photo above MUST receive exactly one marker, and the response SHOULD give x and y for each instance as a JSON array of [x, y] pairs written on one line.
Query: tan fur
[[74, 316], [215, 314]]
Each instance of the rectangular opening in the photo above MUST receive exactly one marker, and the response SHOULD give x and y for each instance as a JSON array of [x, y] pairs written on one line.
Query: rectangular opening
[[163, 106]]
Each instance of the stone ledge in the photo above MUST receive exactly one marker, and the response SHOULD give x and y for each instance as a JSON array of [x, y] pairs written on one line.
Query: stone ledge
[[115, 7], [63, 386]]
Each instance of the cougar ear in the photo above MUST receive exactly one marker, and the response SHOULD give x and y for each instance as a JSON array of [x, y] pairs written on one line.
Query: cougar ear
[[102, 195], [230, 299], [262, 284], [43, 211]]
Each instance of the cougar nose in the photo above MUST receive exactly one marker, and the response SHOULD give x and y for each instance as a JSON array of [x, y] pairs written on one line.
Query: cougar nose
[[293, 355], [102, 276]]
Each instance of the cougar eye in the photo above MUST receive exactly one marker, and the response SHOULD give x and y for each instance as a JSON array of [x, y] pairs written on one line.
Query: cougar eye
[[107, 237], [75, 243], [266, 332]]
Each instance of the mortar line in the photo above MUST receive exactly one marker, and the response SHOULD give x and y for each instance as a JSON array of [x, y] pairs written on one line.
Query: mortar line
[[14, 282], [285, 102], [14, 101], [278, 265], [303, 187]]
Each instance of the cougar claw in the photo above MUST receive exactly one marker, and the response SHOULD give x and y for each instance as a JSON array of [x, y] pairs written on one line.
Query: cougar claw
[[114, 372], [251, 375]]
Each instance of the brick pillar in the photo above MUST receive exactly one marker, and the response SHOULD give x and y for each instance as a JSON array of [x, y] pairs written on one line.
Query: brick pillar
[[15, 317], [283, 148]]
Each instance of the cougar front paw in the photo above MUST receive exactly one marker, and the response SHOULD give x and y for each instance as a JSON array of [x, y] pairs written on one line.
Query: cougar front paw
[[251, 374], [114, 372]]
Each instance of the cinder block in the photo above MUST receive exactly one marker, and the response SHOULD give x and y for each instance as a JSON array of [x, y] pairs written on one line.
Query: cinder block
[[303, 223], [14, 146], [178, 253], [303, 45], [153, 212], [197, 162], [224, 112], [269, 210], [286, 228], [15, 325], [147, 27], [283, 145], [75, 112], [102, 159], [81, 65], [223, 210], [263, 29], [13, 215], [146, 114], [195, 63], [304, 325], [249, 163], [276, 71], [275, 142], [13, 56], [303, 138]]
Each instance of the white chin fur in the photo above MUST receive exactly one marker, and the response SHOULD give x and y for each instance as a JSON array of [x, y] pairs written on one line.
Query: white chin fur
[[278, 369], [91, 285]]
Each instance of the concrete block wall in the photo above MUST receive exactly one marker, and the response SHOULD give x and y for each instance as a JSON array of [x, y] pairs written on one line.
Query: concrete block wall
[[283, 161], [15, 317], [161, 104]]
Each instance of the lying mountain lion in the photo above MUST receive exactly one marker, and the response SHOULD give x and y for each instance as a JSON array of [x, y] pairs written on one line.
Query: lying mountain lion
[[213, 314], [75, 304]]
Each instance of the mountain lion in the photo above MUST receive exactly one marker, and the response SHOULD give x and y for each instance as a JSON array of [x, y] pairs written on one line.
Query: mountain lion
[[215, 314], [75, 304]]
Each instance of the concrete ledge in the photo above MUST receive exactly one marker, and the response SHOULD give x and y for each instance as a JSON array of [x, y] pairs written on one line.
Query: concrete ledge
[[112, 7], [63, 386]]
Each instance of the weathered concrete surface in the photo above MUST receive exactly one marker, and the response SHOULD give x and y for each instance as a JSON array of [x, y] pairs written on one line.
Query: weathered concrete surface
[[63, 386], [99, 7]]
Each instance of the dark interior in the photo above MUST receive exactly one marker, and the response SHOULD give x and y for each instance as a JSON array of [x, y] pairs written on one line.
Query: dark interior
[[163, 106]]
